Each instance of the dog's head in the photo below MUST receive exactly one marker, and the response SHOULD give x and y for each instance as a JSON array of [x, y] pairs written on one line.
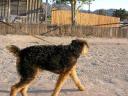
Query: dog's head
[[80, 45]]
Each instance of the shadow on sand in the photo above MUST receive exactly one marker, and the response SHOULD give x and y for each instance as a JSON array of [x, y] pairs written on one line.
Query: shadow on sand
[[43, 91]]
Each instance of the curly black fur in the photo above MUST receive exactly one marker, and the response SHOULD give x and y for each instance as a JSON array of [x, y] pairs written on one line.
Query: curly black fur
[[56, 59]]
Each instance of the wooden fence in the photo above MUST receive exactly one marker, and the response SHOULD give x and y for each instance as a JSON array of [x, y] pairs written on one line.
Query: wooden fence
[[28, 10], [62, 17], [66, 30]]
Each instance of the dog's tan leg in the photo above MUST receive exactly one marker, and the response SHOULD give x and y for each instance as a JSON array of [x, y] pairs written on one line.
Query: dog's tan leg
[[75, 78], [60, 83], [26, 86], [22, 87], [24, 90], [24, 83], [13, 91], [16, 88]]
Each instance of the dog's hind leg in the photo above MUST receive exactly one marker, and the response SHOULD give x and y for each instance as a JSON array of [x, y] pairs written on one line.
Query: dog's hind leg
[[24, 90], [60, 82], [22, 87], [26, 79], [75, 78]]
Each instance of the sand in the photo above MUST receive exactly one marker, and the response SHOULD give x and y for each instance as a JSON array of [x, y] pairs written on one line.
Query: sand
[[103, 72]]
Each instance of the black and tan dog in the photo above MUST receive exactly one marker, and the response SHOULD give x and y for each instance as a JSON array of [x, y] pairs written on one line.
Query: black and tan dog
[[59, 59]]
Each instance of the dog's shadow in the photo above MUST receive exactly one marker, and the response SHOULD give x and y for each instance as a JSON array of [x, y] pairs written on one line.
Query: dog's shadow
[[43, 91], [4, 91]]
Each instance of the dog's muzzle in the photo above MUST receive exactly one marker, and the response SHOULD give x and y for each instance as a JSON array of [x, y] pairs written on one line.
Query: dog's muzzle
[[84, 51]]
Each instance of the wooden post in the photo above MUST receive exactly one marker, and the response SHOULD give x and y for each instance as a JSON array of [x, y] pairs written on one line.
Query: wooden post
[[9, 7], [33, 10], [18, 3], [31, 1], [34, 14], [1, 8], [28, 4], [4, 7], [27, 14], [46, 14], [30, 10], [36, 8], [39, 6]]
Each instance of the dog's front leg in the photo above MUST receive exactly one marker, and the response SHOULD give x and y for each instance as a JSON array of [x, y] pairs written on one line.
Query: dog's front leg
[[75, 78], [60, 82]]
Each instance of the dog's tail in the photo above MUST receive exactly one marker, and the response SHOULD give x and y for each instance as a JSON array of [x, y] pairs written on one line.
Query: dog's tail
[[13, 49]]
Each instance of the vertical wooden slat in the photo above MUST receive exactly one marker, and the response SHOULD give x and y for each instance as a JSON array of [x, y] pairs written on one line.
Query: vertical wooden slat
[[1, 8], [9, 8], [2, 5], [4, 8], [18, 3], [34, 15], [30, 27], [37, 18], [37, 7], [27, 13], [33, 3]]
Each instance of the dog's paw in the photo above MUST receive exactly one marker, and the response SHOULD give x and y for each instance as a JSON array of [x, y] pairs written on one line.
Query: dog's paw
[[81, 88]]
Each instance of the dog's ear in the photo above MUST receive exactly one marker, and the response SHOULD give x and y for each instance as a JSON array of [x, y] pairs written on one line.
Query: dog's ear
[[78, 42], [74, 42]]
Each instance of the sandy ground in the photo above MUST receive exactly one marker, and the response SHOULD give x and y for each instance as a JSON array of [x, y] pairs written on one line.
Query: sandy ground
[[103, 72]]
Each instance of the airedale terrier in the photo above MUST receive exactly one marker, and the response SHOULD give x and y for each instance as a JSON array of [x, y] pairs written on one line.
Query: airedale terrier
[[60, 59]]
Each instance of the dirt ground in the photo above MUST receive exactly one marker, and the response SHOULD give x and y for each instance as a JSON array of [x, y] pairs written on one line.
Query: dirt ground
[[103, 72]]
